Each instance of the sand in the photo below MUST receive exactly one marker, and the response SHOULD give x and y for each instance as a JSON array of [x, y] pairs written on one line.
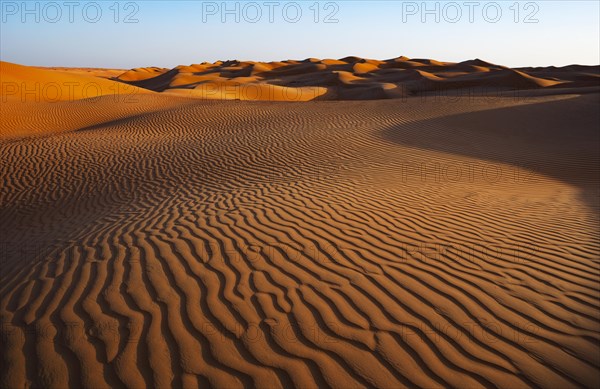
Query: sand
[[354, 78], [426, 240]]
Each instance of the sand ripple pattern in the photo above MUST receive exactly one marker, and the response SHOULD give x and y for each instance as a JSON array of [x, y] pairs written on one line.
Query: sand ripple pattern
[[325, 244]]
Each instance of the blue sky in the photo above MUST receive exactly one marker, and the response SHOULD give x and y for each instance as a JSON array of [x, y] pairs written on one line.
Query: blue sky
[[169, 33]]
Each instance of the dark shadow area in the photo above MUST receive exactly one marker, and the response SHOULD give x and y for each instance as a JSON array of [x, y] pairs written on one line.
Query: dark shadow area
[[559, 139]]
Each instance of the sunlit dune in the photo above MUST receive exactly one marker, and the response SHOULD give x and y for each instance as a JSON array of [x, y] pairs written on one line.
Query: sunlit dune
[[353, 78]]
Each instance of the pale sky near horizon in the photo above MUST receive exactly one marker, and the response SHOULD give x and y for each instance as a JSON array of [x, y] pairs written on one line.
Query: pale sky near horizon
[[126, 34]]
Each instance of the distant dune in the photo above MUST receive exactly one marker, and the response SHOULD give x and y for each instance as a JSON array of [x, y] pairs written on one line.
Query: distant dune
[[349, 78], [354, 78], [152, 236]]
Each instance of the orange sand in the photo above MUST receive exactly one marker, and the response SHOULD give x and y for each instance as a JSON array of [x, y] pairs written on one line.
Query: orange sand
[[153, 239]]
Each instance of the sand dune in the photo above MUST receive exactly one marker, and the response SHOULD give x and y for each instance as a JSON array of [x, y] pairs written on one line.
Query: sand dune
[[29, 84], [352, 78], [45, 101], [425, 241], [94, 72]]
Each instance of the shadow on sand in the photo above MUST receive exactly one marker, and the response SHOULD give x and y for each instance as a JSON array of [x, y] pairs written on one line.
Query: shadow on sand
[[559, 139]]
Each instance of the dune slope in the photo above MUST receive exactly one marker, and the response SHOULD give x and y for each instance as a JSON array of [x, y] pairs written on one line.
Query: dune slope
[[397, 243]]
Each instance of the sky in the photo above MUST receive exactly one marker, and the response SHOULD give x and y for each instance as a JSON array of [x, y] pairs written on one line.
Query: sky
[[128, 34]]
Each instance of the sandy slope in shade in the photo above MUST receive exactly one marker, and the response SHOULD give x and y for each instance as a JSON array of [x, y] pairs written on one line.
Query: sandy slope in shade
[[417, 242]]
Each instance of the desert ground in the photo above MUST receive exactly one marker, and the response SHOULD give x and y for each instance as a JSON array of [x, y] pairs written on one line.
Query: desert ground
[[341, 223]]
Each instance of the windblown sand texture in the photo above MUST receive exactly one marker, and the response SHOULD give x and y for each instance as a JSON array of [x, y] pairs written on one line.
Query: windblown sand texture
[[152, 238]]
